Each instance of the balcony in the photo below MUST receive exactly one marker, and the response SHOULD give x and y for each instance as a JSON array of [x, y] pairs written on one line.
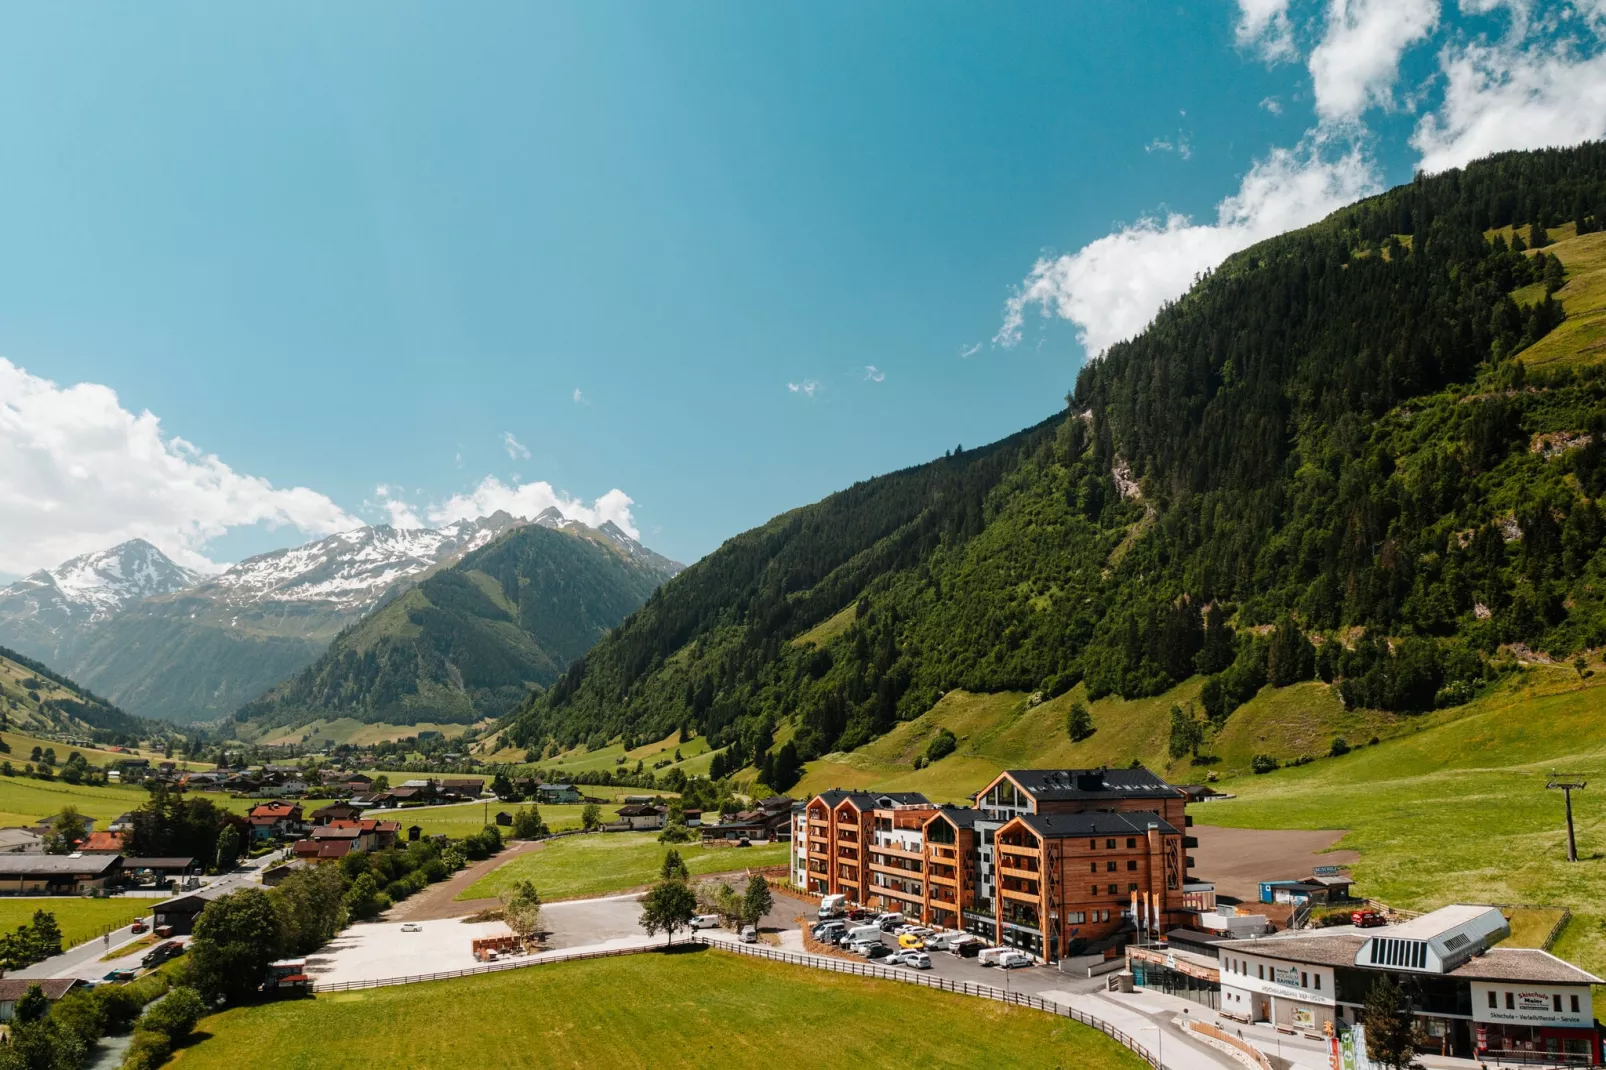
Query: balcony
[[897, 847], [1019, 874], [1020, 895], [1024, 863]]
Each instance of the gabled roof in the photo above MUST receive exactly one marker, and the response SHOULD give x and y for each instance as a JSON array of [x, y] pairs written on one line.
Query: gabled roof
[[960, 817], [87, 866], [100, 842], [1059, 785], [14, 988], [866, 800], [1058, 826]]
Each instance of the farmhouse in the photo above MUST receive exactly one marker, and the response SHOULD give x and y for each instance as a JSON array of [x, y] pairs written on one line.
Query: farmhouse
[[13, 989], [30, 874], [181, 911]]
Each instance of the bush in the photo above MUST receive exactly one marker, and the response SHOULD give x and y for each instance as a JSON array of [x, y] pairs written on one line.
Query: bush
[[149, 1050], [1339, 748], [175, 1014], [1263, 763], [940, 745]]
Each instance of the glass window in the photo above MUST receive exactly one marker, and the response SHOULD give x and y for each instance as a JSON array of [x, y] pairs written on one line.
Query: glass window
[[1261, 970], [1113, 891], [1092, 867], [1131, 864], [1511, 1004], [1132, 886], [1092, 845], [1555, 1002], [1304, 979], [1094, 890], [1492, 1001], [1318, 982], [1131, 841], [1110, 844], [1109, 867], [1575, 1004]]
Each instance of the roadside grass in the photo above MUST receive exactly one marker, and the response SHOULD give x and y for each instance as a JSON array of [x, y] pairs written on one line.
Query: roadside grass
[[613, 862], [693, 1009], [80, 919]]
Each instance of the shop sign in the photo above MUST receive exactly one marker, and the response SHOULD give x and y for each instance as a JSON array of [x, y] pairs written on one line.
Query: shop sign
[[1289, 977], [1352, 1049], [1533, 1001], [1304, 1018]]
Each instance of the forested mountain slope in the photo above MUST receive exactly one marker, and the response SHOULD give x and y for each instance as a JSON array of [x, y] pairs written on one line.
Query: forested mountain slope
[[1329, 459], [472, 639], [32, 696]]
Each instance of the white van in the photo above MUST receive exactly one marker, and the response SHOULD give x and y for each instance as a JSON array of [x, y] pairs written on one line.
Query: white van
[[1013, 960], [749, 935], [988, 956], [705, 921], [862, 934], [832, 905]]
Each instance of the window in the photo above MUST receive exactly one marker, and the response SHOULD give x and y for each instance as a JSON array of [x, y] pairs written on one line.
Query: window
[[1575, 1004], [1555, 1002], [1094, 890], [1092, 845], [1131, 864], [1077, 917], [1109, 867], [1113, 891], [1110, 844], [1304, 979], [1511, 1004], [1132, 886], [1261, 971], [1104, 915], [1318, 982], [1131, 841], [1492, 1001], [1092, 867]]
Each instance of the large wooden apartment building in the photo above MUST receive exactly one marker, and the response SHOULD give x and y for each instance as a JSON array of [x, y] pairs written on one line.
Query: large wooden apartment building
[[1047, 860]]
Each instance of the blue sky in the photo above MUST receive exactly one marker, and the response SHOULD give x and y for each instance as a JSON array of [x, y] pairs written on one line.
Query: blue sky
[[361, 257]]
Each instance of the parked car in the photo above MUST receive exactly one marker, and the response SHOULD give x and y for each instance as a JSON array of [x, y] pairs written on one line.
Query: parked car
[[910, 940], [705, 921], [412, 927], [917, 960], [965, 949], [861, 934], [874, 951], [749, 935], [859, 914], [889, 922], [161, 953], [119, 976], [138, 927], [828, 932], [988, 956], [832, 906], [1013, 960], [1367, 919]]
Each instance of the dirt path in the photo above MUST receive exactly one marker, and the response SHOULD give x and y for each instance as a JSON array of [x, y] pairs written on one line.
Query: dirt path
[[1237, 860], [437, 901]]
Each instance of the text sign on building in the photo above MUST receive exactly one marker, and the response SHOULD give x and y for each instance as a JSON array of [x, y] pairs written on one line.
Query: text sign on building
[[1531, 1004], [1289, 977]]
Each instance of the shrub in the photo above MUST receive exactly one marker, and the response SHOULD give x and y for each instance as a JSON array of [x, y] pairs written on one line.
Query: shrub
[[1263, 763], [175, 1014], [149, 1050], [940, 745], [1339, 748]]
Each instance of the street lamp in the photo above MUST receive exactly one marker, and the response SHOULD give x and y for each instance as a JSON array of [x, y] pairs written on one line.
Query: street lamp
[[1159, 1042]]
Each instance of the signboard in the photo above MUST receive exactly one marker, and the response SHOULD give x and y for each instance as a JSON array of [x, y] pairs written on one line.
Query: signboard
[[1327, 871], [1289, 977], [1533, 1001], [1352, 1049], [1304, 1018]]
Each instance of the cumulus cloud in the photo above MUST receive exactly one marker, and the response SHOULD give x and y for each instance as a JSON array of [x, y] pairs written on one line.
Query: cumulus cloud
[[1272, 104], [78, 472], [401, 514], [807, 387], [580, 398], [529, 500], [1112, 287], [874, 374], [1514, 96], [515, 449], [1356, 63], [1263, 26]]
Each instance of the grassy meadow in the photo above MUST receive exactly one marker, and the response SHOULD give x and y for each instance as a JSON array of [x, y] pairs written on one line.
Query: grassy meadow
[[613, 862], [1581, 337], [694, 753], [79, 919], [692, 1009]]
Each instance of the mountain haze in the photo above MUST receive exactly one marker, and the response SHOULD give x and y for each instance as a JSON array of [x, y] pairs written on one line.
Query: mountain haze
[[1369, 452], [471, 640]]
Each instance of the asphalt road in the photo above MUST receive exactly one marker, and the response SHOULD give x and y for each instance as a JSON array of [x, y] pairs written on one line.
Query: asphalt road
[[84, 960]]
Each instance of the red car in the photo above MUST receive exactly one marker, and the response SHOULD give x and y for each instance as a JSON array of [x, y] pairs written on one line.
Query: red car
[[137, 928], [1367, 919]]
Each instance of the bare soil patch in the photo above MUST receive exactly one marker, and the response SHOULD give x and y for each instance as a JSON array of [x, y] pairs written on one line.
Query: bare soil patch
[[436, 901], [1237, 860]]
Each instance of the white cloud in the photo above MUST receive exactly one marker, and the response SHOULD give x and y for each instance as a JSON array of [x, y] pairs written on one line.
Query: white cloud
[[515, 449], [1357, 61], [1112, 287], [579, 398], [807, 387], [1507, 96], [1263, 26], [1180, 146], [969, 351], [1273, 105], [529, 500], [874, 374], [401, 514], [78, 472]]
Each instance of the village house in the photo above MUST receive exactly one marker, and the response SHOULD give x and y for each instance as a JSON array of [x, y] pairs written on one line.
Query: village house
[[274, 820], [14, 988]]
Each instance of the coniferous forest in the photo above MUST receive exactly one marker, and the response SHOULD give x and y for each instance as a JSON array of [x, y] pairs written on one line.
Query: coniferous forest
[[1330, 459]]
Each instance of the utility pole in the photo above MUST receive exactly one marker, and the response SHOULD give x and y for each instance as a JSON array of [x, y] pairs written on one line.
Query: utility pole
[[1567, 783]]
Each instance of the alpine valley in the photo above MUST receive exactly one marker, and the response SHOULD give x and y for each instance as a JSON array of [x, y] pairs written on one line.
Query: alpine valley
[[165, 642]]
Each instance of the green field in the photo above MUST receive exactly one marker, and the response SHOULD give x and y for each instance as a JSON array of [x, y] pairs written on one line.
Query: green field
[[24, 801], [1581, 338], [80, 919], [613, 862], [465, 818], [690, 1009], [694, 753]]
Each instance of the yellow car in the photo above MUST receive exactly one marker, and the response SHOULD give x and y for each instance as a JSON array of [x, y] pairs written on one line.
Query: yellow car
[[911, 942]]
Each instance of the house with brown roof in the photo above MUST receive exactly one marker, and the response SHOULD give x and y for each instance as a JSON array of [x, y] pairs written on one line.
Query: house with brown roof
[[274, 820], [14, 988], [98, 843]]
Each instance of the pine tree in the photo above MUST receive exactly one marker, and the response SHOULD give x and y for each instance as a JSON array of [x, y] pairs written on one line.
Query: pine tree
[[1078, 722], [1390, 1027]]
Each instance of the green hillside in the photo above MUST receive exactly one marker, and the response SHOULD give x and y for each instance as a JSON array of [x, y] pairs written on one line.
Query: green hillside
[[33, 697], [471, 640], [1332, 462]]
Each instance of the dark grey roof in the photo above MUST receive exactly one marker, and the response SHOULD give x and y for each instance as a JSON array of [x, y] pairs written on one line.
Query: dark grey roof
[[871, 800], [158, 863], [27, 865], [1068, 784], [1096, 824], [1496, 964], [960, 817]]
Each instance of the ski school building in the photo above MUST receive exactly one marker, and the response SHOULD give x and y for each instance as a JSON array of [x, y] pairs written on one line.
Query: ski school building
[[1048, 860], [1472, 999]]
